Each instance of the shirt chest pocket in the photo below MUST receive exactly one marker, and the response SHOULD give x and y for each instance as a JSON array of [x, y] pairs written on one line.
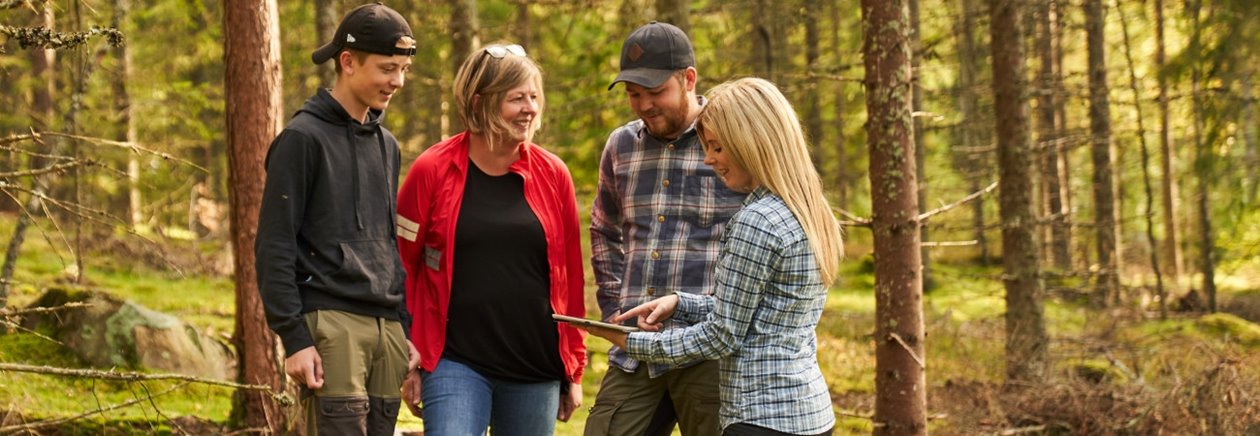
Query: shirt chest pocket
[[706, 201]]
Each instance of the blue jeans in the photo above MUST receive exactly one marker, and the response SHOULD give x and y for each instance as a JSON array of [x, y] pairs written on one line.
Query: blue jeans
[[458, 401]]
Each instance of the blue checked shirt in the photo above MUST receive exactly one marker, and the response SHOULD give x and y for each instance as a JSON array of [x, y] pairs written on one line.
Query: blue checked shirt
[[760, 322], [658, 214]]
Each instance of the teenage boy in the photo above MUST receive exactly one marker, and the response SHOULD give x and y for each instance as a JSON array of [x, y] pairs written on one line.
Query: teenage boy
[[658, 214], [329, 273]]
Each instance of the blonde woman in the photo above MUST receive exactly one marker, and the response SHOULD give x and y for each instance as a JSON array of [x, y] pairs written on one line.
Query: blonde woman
[[488, 232], [779, 254]]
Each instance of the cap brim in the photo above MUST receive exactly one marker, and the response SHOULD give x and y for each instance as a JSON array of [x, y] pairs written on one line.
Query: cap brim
[[645, 77], [324, 53]]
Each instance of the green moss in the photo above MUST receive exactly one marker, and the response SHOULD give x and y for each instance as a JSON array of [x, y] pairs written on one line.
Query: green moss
[[1230, 328]]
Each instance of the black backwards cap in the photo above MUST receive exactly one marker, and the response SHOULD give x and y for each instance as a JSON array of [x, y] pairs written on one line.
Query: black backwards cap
[[652, 53], [373, 28]]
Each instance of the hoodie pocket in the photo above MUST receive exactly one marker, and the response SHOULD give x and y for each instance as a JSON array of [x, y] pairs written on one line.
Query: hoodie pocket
[[373, 267]]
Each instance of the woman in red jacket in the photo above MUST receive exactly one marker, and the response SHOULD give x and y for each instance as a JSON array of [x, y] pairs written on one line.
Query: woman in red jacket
[[488, 231]]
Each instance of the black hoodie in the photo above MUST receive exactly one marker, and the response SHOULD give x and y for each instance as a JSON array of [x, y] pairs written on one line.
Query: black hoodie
[[326, 226]]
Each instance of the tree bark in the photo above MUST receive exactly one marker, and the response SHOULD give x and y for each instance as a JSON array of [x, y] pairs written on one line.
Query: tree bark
[[252, 90], [326, 19], [1026, 339], [900, 382], [1108, 280], [464, 30], [1146, 170], [1048, 147]]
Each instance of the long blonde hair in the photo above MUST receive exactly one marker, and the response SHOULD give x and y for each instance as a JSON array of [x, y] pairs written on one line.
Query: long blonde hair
[[757, 126], [491, 77]]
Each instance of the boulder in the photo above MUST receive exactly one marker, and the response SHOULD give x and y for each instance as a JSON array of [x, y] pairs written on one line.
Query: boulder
[[112, 333]]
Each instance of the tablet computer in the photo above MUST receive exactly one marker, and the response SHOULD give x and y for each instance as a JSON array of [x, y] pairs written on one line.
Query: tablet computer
[[593, 323]]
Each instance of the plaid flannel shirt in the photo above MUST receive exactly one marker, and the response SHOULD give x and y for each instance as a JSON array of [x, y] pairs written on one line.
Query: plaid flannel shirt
[[655, 225], [760, 322]]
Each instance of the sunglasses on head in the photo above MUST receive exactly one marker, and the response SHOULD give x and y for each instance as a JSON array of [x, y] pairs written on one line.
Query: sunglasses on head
[[499, 51]]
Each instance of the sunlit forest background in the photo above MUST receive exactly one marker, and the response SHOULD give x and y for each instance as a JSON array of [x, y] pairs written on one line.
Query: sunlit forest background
[[118, 186]]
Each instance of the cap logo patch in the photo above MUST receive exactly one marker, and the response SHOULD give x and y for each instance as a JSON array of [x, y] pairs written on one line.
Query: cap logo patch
[[636, 52], [350, 38]]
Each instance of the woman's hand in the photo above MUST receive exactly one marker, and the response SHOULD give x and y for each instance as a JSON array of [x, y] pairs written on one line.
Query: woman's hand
[[570, 402], [650, 314], [411, 393]]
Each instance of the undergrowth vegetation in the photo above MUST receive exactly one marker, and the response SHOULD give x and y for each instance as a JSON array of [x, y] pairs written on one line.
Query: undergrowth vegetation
[[1116, 371]]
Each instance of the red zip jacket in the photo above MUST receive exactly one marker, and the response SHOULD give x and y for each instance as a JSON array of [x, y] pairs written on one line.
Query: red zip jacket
[[428, 208]]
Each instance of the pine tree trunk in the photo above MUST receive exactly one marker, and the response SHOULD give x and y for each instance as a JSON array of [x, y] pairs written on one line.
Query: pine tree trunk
[[252, 91], [813, 108], [970, 162], [122, 107], [1168, 184], [920, 147], [464, 28], [1146, 171], [1026, 339], [1108, 282], [1202, 162], [676, 12], [1048, 147], [326, 19], [900, 382], [842, 158], [524, 30]]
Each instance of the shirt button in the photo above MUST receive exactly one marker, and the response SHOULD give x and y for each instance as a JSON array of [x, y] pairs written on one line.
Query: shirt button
[[656, 254], [665, 183], [660, 218], [651, 291], [670, 146]]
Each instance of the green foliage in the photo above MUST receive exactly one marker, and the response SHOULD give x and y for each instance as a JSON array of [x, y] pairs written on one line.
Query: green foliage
[[1231, 328]]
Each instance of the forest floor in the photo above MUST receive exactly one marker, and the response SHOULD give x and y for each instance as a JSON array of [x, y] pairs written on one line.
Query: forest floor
[[1112, 371]]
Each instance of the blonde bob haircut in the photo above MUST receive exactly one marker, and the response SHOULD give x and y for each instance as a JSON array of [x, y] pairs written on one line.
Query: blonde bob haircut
[[482, 83], [757, 127]]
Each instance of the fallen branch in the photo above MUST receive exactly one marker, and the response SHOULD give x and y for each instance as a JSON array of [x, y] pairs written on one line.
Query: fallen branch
[[948, 243], [67, 306], [51, 422], [1022, 430], [137, 376]]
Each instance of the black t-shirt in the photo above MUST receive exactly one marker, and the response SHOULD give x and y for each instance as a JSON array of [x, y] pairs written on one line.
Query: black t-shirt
[[499, 320]]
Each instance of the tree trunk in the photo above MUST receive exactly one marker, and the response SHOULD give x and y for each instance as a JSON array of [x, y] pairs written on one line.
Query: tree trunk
[[842, 158], [1108, 281], [1170, 247], [1146, 170], [1251, 156], [1048, 147], [676, 12], [326, 20], [970, 162], [1202, 162], [464, 29], [42, 116], [900, 383], [525, 28], [813, 108], [252, 91], [920, 147], [122, 107], [1026, 339]]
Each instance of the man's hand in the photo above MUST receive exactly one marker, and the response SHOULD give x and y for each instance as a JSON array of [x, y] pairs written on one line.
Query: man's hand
[[570, 402], [650, 314], [411, 388], [306, 367]]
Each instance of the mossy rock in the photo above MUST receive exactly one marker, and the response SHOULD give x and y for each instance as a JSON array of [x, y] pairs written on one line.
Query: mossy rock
[[1231, 328], [115, 333], [1097, 371]]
